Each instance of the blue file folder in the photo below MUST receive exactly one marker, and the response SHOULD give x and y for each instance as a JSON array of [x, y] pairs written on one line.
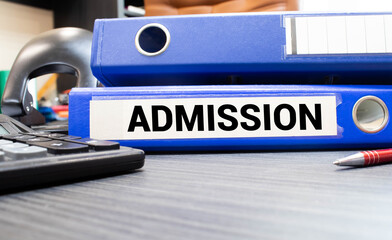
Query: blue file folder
[[235, 118], [246, 48]]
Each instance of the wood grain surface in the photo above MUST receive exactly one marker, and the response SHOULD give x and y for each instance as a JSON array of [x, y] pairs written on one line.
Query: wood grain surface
[[290, 195]]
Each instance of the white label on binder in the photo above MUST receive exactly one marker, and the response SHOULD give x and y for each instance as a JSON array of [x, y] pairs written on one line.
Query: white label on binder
[[239, 117], [339, 34]]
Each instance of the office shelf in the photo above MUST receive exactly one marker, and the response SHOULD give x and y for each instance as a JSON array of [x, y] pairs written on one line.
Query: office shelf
[[82, 13]]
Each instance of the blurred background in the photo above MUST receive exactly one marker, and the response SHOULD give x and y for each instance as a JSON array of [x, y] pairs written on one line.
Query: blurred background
[[22, 20]]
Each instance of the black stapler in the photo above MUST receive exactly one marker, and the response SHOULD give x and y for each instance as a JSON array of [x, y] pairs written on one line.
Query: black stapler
[[62, 50]]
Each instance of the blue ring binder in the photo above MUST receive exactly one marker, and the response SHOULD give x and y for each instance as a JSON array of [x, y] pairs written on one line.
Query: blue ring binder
[[252, 48], [240, 124]]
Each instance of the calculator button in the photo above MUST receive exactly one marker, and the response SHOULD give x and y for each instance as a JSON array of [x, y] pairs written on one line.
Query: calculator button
[[56, 135], [3, 142], [98, 145], [53, 135], [13, 145], [11, 137], [38, 133], [25, 153], [68, 137], [23, 138], [38, 139], [61, 147]]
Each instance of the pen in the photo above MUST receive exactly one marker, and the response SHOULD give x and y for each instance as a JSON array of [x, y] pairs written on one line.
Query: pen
[[366, 158]]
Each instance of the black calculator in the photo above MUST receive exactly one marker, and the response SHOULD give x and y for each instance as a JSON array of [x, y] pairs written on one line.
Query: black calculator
[[33, 158]]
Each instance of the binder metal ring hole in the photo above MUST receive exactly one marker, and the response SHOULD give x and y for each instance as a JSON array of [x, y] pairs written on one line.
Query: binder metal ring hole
[[152, 39], [370, 114]]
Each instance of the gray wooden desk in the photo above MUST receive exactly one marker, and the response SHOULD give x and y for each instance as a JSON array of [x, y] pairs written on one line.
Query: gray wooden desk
[[293, 195]]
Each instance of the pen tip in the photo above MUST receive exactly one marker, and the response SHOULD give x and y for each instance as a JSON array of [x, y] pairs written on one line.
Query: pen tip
[[336, 162]]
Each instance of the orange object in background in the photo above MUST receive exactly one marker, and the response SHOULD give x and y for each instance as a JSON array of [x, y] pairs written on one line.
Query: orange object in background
[[60, 108], [179, 7]]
